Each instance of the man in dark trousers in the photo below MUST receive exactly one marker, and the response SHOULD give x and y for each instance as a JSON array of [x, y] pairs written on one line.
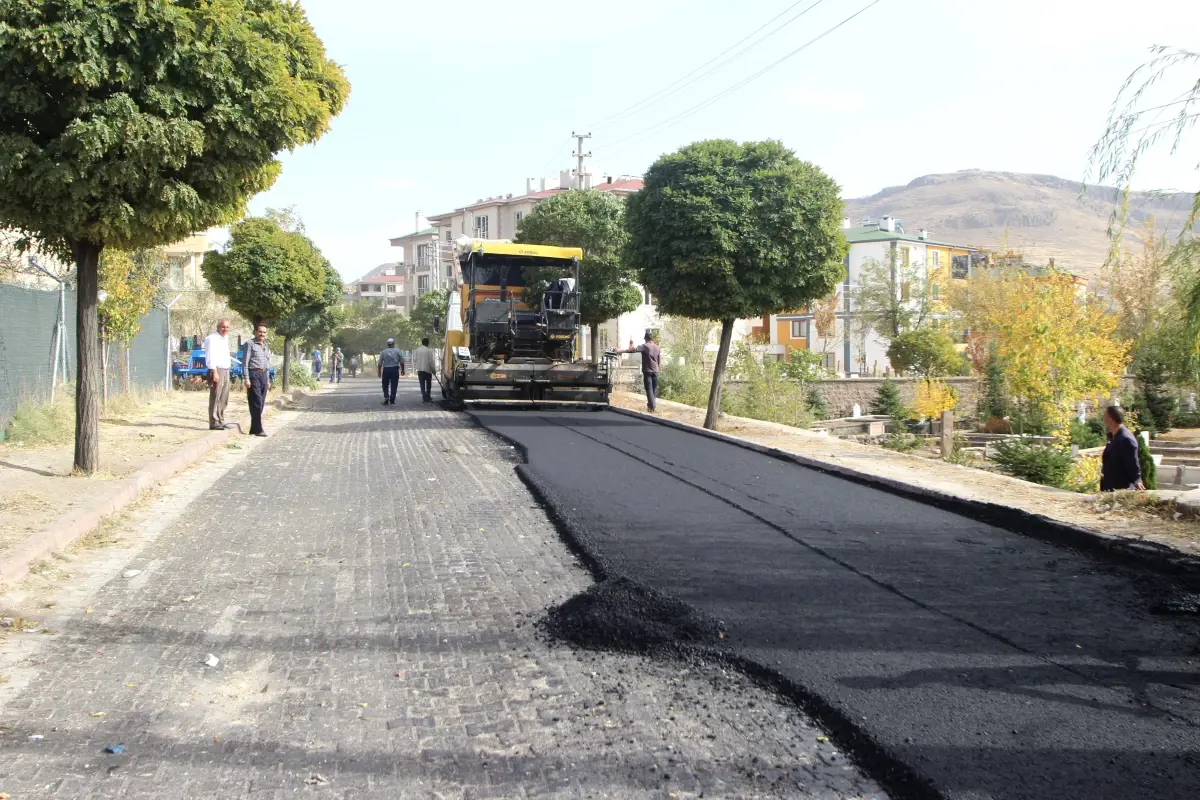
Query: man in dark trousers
[[1120, 466], [391, 363], [258, 379], [651, 356], [425, 363]]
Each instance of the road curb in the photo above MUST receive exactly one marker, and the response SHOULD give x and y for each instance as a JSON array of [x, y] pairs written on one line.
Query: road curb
[[1025, 523], [75, 526]]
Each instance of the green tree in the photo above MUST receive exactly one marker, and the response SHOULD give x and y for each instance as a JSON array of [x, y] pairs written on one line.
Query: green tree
[[269, 275], [893, 295], [726, 231], [134, 124], [315, 321], [994, 404], [420, 323], [594, 221], [1153, 398], [927, 352], [887, 402], [130, 282]]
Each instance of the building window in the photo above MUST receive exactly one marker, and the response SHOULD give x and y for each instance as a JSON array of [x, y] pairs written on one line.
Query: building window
[[422, 284], [799, 329], [830, 362], [905, 256], [481, 227], [960, 267], [392, 302], [935, 259], [391, 288], [904, 291], [364, 287], [449, 235], [517, 217], [422, 255], [647, 298]]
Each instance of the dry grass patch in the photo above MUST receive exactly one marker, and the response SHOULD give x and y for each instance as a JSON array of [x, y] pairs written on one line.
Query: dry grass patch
[[24, 503]]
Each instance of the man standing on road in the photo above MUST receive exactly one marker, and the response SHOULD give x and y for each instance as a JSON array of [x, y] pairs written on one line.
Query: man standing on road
[[353, 366], [257, 369], [335, 366], [651, 356], [218, 362], [391, 362], [425, 364], [1120, 466], [317, 363]]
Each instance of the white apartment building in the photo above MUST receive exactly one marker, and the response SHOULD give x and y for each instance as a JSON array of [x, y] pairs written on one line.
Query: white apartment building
[[385, 285]]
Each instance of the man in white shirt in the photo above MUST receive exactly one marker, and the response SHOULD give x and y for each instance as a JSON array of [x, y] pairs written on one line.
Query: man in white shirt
[[218, 362]]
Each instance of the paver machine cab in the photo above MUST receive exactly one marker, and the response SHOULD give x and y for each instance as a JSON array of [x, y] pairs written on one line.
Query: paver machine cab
[[503, 347]]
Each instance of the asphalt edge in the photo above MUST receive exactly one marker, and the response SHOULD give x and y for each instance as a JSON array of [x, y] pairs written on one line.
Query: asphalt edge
[[899, 779], [75, 526], [1025, 523]]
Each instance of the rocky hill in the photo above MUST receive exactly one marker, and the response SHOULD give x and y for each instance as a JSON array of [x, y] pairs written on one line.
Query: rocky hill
[[1045, 217]]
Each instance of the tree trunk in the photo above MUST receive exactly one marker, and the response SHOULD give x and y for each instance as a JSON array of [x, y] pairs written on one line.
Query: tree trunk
[[595, 343], [287, 363], [87, 344], [714, 396]]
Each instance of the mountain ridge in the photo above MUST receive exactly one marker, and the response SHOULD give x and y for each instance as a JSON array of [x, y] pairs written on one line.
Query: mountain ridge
[[1044, 216]]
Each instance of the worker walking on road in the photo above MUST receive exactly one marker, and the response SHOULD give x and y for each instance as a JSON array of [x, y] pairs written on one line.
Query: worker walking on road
[[335, 366], [258, 379], [391, 363], [218, 361], [425, 363], [651, 357], [353, 366]]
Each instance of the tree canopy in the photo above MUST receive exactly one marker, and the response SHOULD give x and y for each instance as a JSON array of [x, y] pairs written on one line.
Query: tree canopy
[[594, 221], [134, 124], [725, 231], [925, 351]]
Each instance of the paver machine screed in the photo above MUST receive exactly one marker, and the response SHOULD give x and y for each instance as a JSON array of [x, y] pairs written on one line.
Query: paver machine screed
[[504, 347]]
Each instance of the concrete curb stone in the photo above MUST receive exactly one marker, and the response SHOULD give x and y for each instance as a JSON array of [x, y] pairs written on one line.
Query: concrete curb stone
[[1017, 520], [75, 526]]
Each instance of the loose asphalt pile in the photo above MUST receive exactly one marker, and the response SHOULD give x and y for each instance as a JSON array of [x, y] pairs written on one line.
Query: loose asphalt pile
[[954, 658]]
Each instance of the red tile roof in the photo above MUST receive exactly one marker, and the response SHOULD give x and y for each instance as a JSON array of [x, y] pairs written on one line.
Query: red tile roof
[[382, 279]]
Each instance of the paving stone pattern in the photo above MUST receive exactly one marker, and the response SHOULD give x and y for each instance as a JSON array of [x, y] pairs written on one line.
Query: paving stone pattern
[[368, 580]]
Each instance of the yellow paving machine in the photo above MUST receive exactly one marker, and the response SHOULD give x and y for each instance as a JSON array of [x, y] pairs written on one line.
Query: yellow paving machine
[[505, 347]]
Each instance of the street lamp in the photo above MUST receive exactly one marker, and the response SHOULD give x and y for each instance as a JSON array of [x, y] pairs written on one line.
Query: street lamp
[[170, 343]]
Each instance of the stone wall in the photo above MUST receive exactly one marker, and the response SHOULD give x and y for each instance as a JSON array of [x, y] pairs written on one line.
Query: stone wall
[[841, 394]]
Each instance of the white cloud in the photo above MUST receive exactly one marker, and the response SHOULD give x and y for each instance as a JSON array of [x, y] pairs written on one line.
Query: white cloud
[[831, 99]]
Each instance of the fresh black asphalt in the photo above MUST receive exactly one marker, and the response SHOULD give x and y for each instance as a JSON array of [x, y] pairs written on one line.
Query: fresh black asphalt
[[981, 662]]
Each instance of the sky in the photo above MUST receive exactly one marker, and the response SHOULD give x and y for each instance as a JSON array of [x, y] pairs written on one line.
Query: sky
[[451, 102]]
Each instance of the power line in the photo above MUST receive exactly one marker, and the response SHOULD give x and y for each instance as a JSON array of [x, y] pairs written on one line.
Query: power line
[[671, 89], [670, 122]]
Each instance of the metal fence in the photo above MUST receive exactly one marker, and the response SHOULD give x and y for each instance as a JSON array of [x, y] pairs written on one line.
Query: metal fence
[[28, 320]]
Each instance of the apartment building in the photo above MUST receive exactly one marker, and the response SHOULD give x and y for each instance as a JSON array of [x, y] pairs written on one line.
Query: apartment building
[[831, 326], [385, 285]]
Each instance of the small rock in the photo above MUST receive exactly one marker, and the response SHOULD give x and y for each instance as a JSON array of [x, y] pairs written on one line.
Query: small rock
[[7, 622], [36, 737], [316, 779], [131, 573], [211, 661]]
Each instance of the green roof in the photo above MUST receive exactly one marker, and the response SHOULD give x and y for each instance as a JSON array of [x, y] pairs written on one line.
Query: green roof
[[872, 233]]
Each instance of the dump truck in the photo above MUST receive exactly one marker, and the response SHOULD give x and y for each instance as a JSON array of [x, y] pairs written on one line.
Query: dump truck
[[506, 347]]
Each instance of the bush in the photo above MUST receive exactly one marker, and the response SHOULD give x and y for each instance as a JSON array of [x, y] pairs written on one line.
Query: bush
[[926, 352], [300, 376], [36, 423], [683, 383], [933, 397], [1149, 470], [765, 393], [816, 404], [1187, 419], [1037, 463], [994, 403], [902, 442], [1084, 476], [887, 402], [1085, 436], [1158, 406]]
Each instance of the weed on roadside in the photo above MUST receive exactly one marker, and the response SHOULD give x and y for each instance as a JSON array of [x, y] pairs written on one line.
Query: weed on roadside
[[901, 442], [24, 502], [36, 423]]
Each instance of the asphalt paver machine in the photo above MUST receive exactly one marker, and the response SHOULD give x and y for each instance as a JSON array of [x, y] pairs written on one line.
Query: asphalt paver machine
[[503, 347]]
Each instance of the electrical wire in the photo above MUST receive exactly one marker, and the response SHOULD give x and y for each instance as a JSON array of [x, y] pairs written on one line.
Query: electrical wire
[[671, 122], [675, 87]]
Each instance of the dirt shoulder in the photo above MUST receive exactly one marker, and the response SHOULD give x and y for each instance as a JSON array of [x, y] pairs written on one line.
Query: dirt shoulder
[[1146, 523], [36, 484]]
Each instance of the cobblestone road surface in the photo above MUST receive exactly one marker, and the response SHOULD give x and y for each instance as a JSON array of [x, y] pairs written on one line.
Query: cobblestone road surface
[[368, 578]]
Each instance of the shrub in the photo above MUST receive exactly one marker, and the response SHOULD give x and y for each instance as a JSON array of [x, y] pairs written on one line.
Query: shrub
[[926, 352], [1187, 419], [887, 402], [933, 397], [1084, 476], [1085, 436], [686, 383], [816, 404], [37, 423], [1158, 406], [994, 403], [765, 393], [902, 442], [1149, 470], [959, 454], [300, 376], [995, 425], [1048, 466]]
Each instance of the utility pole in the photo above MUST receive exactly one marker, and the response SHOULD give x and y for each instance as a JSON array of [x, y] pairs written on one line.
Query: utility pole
[[579, 157]]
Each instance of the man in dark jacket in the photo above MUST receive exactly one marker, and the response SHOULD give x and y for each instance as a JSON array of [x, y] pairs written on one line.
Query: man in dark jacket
[[1121, 468]]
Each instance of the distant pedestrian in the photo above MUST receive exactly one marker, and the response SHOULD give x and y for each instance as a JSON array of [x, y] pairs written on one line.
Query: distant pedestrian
[[391, 364], [317, 363], [353, 366], [258, 378], [425, 363], [1120, 466], [335, 366], [218, 362], [651, 357]]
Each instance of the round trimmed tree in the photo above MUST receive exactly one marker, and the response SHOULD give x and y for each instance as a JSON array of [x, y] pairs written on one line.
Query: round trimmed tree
[[135, 124], [726, 231]]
